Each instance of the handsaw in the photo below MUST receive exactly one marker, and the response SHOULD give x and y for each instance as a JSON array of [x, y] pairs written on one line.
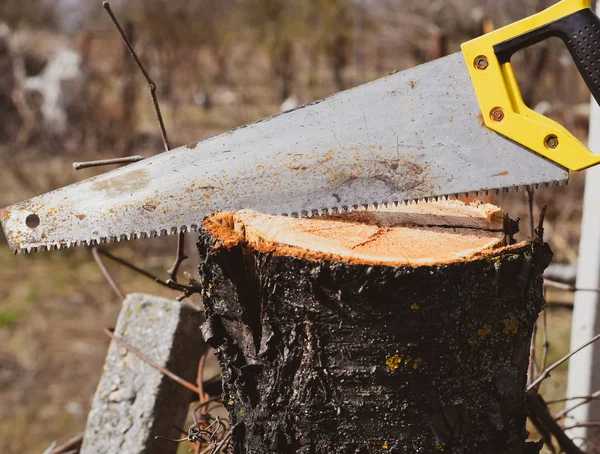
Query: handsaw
[[457, 125]]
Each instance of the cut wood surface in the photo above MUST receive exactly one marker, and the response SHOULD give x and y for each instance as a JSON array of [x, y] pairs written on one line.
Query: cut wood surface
[[401, 330], [414, 234]]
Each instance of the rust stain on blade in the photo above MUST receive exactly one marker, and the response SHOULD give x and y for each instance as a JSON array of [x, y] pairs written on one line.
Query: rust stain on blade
[[129, 182], [501, 174], [5, 215], [151, 205]]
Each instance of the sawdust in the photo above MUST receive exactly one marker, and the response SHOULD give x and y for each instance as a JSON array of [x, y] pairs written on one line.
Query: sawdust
[[413, 235]]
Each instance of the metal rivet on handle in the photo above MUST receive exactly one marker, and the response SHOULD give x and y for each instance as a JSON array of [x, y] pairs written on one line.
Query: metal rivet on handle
[[481, 62], [497, 114], [551, 141]]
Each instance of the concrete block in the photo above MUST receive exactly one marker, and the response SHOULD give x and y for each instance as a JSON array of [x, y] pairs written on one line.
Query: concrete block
[[135, 402]]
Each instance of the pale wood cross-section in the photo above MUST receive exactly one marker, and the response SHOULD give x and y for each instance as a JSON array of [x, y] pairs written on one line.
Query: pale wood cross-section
[[407, 235]]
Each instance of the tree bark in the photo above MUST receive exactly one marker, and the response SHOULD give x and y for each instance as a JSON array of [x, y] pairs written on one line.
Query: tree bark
[[325, 353]]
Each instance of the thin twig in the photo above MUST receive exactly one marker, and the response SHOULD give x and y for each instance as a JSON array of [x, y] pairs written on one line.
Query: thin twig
[[568, 287], [586, 400], [566, 399], [186, 289], [543, 421], [584, 424], [179, 258], [531, 372], [530, 192], [546, 344], [133, 267], [200, 377], [136, 352], [107, 162], [201, 395], [106, 274], [151, 84], [163, 131], [208, 402], [546, 373], [539, 231], [68, 445]]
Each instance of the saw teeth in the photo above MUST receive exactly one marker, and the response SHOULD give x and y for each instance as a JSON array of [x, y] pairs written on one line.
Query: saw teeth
[[336, 210]]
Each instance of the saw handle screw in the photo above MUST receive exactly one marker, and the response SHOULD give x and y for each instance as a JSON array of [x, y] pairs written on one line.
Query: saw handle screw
[[481, 62], [497, 114], [551, 141]]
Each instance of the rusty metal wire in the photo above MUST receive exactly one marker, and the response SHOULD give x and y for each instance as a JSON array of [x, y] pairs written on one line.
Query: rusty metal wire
[[214, 436], [69, 445], [139, 354]]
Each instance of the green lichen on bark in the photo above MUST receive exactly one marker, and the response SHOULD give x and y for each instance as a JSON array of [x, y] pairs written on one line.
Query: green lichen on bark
[[327, 357]]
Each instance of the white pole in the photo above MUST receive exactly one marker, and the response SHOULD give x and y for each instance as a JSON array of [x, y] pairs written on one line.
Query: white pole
[[584, 367]]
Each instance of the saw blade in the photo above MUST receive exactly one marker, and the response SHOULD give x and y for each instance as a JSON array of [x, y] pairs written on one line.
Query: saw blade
[[412, 135]]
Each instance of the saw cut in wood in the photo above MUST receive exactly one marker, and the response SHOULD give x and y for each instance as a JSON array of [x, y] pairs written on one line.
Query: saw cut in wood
[[416, 234]]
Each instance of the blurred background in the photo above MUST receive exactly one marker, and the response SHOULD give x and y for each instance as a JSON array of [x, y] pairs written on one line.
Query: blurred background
[[69, 92]]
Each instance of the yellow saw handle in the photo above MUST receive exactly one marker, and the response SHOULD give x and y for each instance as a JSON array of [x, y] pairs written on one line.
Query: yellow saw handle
[[502, 106]]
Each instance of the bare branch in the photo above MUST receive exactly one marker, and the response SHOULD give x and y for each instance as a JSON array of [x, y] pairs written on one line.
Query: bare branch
[[133, 267], [136, 352], [539, 231], [200, 377], [568, 287], [186, 290], [531, 372], [106, 274], [208, 402], [530, 192], [179, 259], [566, 399], [152, 87], [546, 373], [543, 421], [584, 424], [586, 400], [106, 162], [149, 81], [545, 344]]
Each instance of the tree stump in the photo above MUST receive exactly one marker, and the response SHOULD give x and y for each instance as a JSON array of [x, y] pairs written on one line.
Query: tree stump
[[401, 330]]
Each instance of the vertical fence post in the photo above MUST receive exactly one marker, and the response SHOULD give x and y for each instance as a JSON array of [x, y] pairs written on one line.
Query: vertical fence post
[[584, 368]]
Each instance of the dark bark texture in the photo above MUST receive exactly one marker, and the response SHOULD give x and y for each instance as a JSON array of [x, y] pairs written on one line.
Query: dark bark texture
[[327, 357]]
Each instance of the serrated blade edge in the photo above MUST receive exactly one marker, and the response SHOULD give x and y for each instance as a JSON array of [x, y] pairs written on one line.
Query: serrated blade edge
[[294, 213]]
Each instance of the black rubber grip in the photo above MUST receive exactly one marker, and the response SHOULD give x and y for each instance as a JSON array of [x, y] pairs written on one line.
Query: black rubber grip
[[579, 31]]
